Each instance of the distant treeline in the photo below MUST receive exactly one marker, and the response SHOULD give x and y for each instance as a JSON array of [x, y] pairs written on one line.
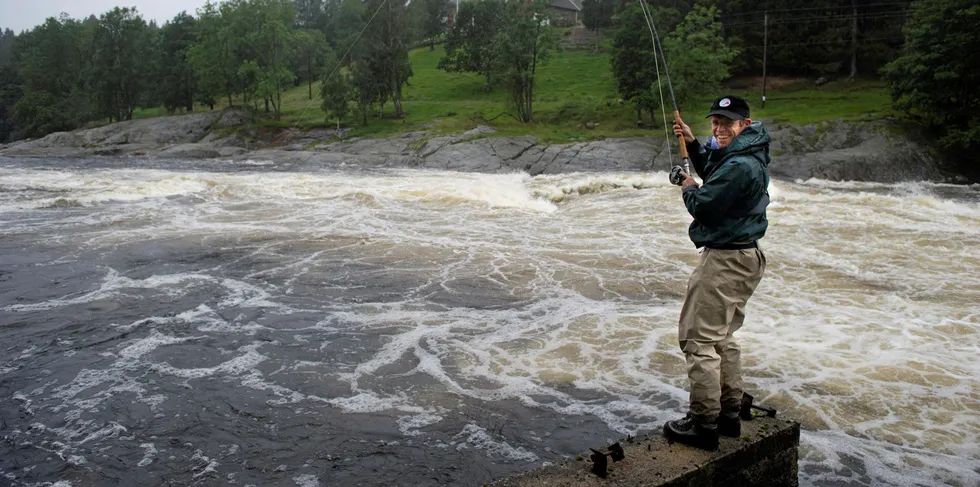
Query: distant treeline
[[67, 72]]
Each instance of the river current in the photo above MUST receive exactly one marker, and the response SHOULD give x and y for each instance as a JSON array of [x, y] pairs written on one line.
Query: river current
[[255, 323]]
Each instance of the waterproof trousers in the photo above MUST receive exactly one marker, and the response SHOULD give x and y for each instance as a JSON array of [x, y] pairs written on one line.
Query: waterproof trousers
[[713, 311]]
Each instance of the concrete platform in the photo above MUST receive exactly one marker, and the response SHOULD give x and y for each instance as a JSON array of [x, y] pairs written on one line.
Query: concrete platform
[[765, 455]]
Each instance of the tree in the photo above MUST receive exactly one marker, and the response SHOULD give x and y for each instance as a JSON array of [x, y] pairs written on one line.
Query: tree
[[518, 49], [51, 60], [597, 14], [430, 15], [469, 45], [7, 37], [272, 42], [121, 48], [697, 55], [335, 90], [176, 83], [366, 87], [310, 14], [386, 40], [347, 21], [10, 94], [935, 78], [211, 57], [310, 48], [633, 54]]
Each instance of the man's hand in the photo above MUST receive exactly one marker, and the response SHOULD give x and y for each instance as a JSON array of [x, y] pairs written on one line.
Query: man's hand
[[681, 129], [688, 181]]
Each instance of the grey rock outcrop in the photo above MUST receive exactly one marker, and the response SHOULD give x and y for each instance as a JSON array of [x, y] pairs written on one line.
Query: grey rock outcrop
[[835, 151], [843, 151]]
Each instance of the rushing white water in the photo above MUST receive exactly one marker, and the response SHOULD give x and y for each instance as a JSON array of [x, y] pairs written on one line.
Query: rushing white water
[[551, 291]]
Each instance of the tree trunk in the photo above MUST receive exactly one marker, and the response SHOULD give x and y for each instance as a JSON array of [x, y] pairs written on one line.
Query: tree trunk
[[398, 98], [530, 82], [278, 106], [854, 43]]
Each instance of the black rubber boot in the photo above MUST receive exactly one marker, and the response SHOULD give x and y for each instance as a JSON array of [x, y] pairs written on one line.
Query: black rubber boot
[[729, 424], [693, 431]]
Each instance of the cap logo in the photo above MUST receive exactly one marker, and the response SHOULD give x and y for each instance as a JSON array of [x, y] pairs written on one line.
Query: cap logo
[[724, 102]]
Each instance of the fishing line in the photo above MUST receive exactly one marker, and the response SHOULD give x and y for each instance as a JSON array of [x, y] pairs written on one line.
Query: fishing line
[[675, 171], [648, 17]]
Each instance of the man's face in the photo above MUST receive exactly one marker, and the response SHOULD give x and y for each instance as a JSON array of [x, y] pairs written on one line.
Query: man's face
[[725, 129]]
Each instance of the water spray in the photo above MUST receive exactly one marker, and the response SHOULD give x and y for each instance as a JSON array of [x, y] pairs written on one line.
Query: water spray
[[675, 172]]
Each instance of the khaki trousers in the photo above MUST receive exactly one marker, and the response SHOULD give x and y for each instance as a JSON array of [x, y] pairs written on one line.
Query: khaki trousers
[[713, 310]]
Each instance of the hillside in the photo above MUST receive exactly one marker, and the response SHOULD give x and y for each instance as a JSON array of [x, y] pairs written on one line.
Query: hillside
[[575, 87]]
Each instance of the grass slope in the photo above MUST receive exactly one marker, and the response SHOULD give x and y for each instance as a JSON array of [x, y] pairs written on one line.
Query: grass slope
[[575, 87]]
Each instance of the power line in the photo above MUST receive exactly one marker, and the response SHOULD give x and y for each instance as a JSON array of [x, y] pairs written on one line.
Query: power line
[[883, 15], [802, 9], [840, 41]]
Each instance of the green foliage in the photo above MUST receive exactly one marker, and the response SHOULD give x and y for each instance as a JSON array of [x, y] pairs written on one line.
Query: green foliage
[[7, 37], [335, 91], [936, 77], [430, 16], [121, 45], [311, 15], [348, 20], [310, 48], [384, 54], [51, 63], [211, 57], [10, 94], [634, 57], [469, 45], [367, 87], [598, 14], [60, 75], [697, 55], [175, 77], [518, 48]]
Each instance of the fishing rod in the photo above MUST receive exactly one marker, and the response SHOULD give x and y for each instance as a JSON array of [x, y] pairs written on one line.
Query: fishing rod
[[675, 177]]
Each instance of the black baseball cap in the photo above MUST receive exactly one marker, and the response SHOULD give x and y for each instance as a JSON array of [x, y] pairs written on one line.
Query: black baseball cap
[[730, 106]]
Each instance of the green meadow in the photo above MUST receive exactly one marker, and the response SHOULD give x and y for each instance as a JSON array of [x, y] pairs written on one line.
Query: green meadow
[[573, 88]]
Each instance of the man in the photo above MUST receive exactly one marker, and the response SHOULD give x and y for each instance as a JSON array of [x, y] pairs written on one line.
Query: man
[[729, 212]]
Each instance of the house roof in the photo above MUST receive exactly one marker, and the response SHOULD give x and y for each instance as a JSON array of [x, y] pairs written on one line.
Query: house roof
[[566, 5]]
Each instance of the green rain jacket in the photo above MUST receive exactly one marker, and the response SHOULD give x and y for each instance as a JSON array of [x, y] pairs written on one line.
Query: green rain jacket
[[730, 207]]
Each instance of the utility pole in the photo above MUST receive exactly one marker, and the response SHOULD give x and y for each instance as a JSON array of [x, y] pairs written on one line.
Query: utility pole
[[765, 49]]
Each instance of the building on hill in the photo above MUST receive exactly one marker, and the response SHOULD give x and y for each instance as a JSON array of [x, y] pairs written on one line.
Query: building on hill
[[567, 12]]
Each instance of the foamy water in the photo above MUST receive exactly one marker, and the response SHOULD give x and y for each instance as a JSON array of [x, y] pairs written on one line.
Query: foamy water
[[238, 324]]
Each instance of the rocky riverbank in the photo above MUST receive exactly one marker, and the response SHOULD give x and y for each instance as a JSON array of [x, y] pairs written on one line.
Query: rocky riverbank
[[839, 151]]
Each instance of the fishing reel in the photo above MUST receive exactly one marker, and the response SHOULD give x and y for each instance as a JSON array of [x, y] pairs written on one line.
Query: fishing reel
[[675, 175]]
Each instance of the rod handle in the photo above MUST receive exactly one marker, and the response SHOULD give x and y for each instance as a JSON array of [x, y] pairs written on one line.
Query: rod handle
[[680, 139]]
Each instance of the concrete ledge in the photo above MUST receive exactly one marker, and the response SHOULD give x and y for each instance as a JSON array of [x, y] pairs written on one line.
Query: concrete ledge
[[765, 455]]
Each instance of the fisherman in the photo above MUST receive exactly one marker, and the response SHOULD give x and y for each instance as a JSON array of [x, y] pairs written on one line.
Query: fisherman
[[729, 212]]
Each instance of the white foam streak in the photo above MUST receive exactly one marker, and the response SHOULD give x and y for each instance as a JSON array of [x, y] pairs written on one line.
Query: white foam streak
[[555, 292], [474, 436]]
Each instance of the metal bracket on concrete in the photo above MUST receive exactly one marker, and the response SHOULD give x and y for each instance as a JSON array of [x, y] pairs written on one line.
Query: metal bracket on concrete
[[599, 461], [745, 412]]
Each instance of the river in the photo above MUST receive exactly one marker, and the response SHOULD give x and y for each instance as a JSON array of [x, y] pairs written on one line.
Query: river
[[255, 323]]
